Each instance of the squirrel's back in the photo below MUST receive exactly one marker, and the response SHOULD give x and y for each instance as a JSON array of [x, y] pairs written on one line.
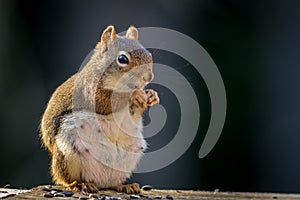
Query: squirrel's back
[[59, 105]]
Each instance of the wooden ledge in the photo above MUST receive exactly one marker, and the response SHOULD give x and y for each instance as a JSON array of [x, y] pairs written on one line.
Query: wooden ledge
[[38, 193]]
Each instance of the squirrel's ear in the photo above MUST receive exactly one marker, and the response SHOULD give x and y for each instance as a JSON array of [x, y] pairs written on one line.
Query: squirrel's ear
[[108, 34], [132, 33]]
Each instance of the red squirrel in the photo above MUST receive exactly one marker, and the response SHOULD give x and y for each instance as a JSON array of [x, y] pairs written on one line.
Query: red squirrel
[[92, 125]]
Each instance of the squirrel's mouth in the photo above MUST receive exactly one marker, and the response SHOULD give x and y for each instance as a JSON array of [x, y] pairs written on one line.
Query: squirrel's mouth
[[135, 86]]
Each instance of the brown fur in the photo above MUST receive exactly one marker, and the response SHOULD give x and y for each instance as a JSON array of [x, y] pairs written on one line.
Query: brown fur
[[105, 105], [59, 167]]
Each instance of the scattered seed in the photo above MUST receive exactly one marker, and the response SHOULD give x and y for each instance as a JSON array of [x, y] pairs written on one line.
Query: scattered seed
[[48, 195], [133, 196], [147, 187], [115, 198], [56, 190], [83, 198], [105, 198], [169, 197], [95, 196], [53, 192], [47, 188], [216, 191], [148, 198], [68, 193], [59, 194], [157, 197]]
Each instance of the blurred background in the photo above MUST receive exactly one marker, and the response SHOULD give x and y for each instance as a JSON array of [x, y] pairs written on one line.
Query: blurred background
[[255, 45]]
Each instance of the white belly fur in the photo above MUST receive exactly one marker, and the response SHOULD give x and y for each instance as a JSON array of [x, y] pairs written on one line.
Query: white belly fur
[[101, 149]]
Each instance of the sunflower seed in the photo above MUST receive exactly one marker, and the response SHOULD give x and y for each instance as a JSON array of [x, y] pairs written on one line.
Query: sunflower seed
[[147, 187], [68, 193], [48, 195], [59, 194], [133, 196]]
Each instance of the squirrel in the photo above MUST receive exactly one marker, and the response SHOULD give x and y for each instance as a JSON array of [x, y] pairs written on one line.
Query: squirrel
[[92, 125]]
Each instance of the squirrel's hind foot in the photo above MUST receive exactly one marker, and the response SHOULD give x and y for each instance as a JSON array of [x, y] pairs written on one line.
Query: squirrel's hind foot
[[133, 188], [83, 187]]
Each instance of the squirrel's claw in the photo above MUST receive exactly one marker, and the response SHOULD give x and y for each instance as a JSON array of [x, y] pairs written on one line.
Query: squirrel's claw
[[139, 98], [83, 187], [133, 188], [152, 97]]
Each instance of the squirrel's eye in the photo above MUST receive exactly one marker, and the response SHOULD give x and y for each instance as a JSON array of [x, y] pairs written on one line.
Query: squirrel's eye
[[122, 60]]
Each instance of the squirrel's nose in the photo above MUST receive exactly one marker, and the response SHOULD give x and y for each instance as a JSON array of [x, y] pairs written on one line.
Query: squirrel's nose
[[148, 77]]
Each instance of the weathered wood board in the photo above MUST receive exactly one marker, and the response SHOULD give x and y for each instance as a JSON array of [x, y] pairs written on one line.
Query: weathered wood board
[[38, 193]]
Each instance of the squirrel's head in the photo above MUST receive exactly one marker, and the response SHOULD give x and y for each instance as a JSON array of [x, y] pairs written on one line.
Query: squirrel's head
[[125, 63]]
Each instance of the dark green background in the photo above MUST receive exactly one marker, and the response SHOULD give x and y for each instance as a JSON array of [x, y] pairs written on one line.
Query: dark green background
[[255, 45]]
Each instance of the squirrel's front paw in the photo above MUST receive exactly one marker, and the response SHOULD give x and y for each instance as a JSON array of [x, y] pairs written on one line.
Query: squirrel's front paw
[[152, 97], [138, 100]]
